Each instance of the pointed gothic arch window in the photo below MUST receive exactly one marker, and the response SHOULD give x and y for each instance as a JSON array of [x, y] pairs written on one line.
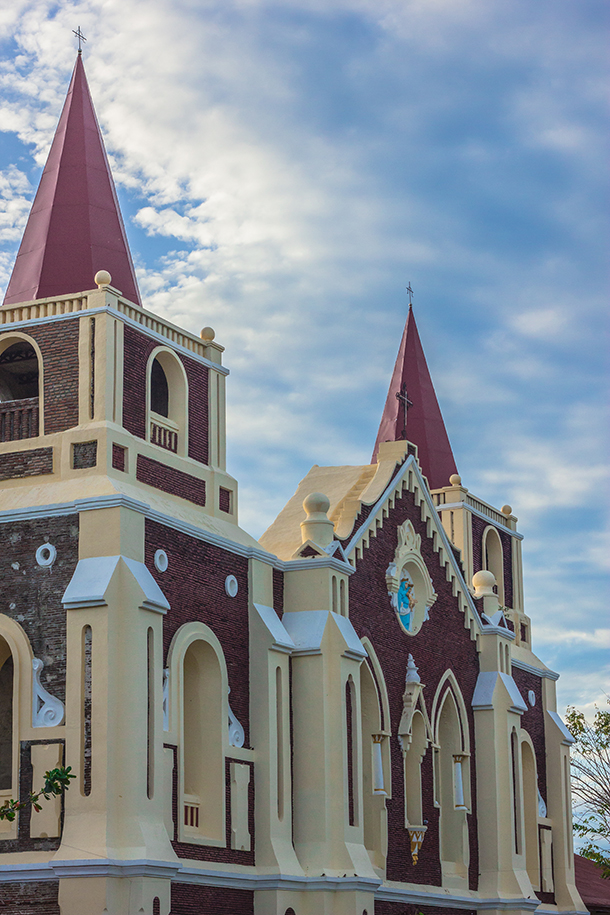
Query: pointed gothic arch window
[[452, 781], [493, 558], [414, 757]]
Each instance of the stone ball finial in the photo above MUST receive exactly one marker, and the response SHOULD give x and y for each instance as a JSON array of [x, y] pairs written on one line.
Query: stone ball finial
[[507, 509], [483, 583], [102, 278], [315, 504], [208, 334], [317, 526], [455, 479]]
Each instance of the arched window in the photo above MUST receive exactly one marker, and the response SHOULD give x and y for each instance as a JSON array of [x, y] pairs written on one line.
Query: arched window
[[453, 782], [530, 813], [351, 731], [516, 792], [159, 390], [6, 718], [493, 558], [199, 713], [19, 389], [202, 742], [167, 401]]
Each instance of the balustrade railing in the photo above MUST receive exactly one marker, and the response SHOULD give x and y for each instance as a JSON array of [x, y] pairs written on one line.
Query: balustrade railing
[[18, 419], [164, 433]]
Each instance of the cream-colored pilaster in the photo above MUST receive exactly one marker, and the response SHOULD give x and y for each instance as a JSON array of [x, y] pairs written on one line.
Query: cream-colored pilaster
[[517, 575], [221, 413], [111, 532], [270, 649], [559, 801], [315, 902], [115, 607], [327, 653], [113, 895], [118, 357], [457, 523], [498, 707]]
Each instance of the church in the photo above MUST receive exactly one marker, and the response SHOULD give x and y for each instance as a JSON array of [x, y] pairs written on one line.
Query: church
[[346, 717]]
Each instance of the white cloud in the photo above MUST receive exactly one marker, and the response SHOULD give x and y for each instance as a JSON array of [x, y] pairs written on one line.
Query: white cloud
[[301, 163]]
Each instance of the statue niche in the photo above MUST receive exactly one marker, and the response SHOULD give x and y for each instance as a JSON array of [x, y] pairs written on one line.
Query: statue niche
[[410, 587]]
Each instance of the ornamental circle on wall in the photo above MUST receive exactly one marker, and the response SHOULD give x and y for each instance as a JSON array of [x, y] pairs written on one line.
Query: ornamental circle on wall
[[531, 697], [46, 555], [161, 561], [231, 586]]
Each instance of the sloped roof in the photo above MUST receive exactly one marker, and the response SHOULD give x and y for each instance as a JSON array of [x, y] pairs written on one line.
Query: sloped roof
[[422, 422], [75, 227], [348, 489], [593, 888]]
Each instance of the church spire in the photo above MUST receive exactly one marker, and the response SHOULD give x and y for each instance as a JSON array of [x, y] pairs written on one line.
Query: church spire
[[412, 412], [75, 227]]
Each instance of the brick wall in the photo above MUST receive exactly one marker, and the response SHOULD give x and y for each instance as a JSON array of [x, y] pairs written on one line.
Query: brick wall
[[210, 900], [137, 349], [35, 898], [278, 592], [26, 463], [198, 378], [32, 595], [170, 480], [532, 721], [442, 643], [507, 558], [59, 345]]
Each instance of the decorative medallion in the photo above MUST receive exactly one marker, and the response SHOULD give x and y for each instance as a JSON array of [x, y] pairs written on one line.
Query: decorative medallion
[[231, 586], [410, 587], [161, 561], [46, 555]]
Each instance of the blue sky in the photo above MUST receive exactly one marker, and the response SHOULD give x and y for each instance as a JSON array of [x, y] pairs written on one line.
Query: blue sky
[[286, 168]]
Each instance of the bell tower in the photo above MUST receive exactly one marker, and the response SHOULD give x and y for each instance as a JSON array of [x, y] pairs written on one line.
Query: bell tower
[[109, 416]]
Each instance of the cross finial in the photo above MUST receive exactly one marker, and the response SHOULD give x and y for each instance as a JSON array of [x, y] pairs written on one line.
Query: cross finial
[[402, 398], [80, 37], [410, 292]]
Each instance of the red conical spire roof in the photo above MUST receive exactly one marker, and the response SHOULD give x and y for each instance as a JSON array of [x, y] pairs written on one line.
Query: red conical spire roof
[[422, 421], [75, 226]]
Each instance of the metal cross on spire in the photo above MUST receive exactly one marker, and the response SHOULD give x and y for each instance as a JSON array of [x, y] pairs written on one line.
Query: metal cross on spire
[[402, 398], [80, 37], [410, 292]]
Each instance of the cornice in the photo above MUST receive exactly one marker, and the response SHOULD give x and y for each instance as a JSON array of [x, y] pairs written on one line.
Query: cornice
[[107, 309], [182, 871], [454, 506], [537, 671]]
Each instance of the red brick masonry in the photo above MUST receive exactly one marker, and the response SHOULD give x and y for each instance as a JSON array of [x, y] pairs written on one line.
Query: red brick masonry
[[170, 480]]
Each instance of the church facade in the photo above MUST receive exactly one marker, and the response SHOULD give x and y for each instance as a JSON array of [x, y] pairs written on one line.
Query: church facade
[[343, 718]]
